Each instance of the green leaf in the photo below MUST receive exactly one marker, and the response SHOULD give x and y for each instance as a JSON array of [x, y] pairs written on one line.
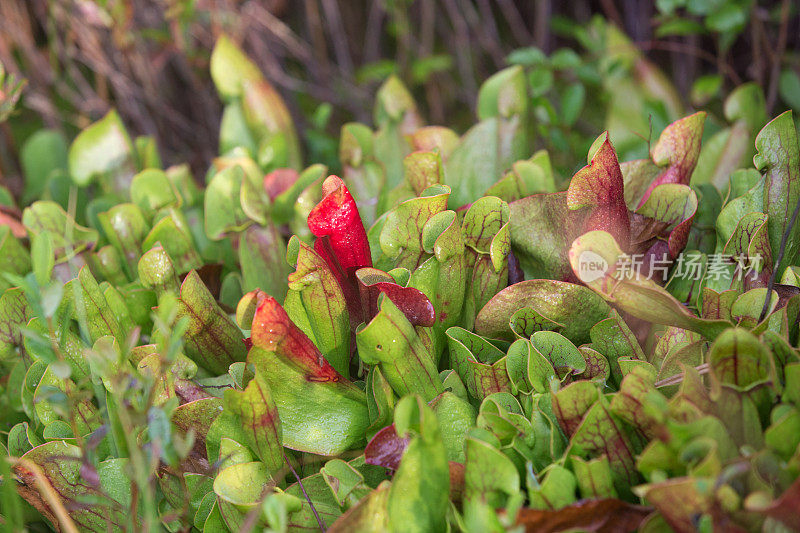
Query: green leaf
[[559, 352], [103, 152], [456, 416], [125, 227], [157, 271], [637, 403], [594, 477], [556, 489], [233, 130], [389, 340], [301, 516], [678, 149], [231, 69], [730, 17], [541, 230], [705, 88], [733, 147], [21, 439], [61, 466], [598, 368], [442, 277], [91, 308], [14, 258], [183, 183], [320, 411], [489, 475], [503, 94], [614, 339], [393, 101], [259, 415], [779, 159], [750, 239], [724, 152], [380, 401], [738, 359], [424, 67], [528, 56], [13, 316], [68, 237], [502, 415], [268, 118], [151, 190], [223, 431], [325, 418], [789, 87], [637, 295], [540, 80], [485, 152], [147, 153], [420, 170], [368, 516], [528, 370], [600, 433], [173, 235], [363, 175], [198, 417], [528, 176], [433, 138], [52, 407], [487, 244], [490, 147], [419, 493], [223, 208], [292, 202], [43, 154], [401, 234], [574, 306], [481, 365], [572, 100], [211, 339], [238, 489], [571, 403], [746, 103], [750, 201], [262, 253], [70, 345], [317, 303], [679, 26], [782, 435], [527, 321]]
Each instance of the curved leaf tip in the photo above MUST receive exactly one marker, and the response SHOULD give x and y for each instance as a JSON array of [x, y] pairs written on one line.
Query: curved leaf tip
[[274, 331], [336, 216], [599, 186]]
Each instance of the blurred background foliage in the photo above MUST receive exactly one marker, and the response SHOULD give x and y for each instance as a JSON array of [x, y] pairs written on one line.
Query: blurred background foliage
[[149, 59]]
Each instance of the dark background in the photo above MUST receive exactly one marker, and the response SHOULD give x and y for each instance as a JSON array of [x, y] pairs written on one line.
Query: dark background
[[149, 58]]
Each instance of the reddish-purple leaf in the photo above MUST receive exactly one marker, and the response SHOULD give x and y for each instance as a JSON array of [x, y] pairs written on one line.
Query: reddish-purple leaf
[[515, 274], [279, 180], [386, 448], [602, 516], [412, 302], [599, 187]]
